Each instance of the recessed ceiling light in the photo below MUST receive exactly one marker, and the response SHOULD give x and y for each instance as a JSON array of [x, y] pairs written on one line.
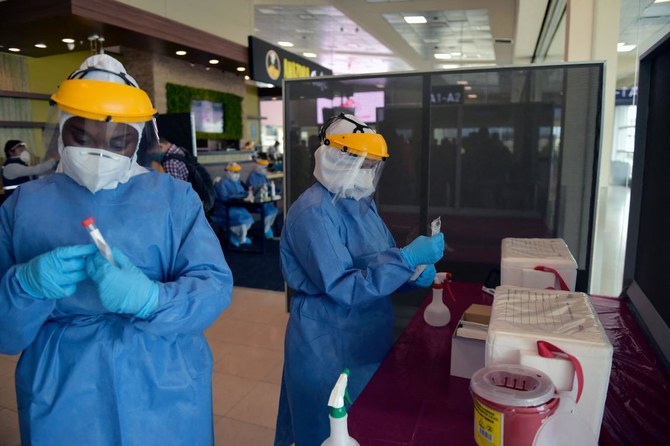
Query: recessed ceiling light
[[286, 44], [448, 66], [180, 53], [472, 96], [309, 54], [67, 40], [241, 69], [40, 45], [467, 87], [462, 82], [213, 61], [246, 78], [623, 47], [456, 53], [14, 50], [661, 1], [442, 56], [412, 19]]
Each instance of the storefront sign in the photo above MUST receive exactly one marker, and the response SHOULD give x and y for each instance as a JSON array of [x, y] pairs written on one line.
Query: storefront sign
[[271, 64], [446, 94], [625, 96]]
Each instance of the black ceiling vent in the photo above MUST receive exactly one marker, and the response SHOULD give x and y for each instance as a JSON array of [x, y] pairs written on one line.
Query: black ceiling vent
[[503, 40]]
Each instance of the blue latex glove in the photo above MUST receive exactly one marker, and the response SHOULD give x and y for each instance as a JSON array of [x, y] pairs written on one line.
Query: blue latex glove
[[426, 278], [55, 274], [423, 250], [123, 288]]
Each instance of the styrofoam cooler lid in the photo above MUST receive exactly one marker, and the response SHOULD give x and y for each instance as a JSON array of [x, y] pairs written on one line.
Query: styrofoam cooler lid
[[565, 429], [554, 250], [513, 385]]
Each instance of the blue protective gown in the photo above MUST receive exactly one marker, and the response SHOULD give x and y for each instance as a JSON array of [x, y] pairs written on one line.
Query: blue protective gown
[[342, 261], [257, 180], [228, 189], [91, 377]]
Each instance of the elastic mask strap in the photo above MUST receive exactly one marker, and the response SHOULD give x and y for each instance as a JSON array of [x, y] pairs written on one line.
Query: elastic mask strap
[[359, 128], [82, 73]]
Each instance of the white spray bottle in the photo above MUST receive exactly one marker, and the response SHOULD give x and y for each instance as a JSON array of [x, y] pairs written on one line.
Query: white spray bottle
[[437, 313], [339, 432]]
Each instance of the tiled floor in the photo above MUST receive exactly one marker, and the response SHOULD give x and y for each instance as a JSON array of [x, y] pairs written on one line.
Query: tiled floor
[[247, 342]]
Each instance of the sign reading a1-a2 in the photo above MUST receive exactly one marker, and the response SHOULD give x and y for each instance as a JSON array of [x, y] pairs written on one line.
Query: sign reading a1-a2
[[271, 64]]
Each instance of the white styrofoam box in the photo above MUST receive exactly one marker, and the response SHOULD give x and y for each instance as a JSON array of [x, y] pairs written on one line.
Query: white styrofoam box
[[467, 356], [521, 255], [522, 316]]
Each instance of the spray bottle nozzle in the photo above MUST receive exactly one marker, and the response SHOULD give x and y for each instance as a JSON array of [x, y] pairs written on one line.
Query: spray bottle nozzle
[[338, 396]]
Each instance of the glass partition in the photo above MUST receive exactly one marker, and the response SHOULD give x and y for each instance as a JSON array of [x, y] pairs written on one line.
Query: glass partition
[[496, 152]]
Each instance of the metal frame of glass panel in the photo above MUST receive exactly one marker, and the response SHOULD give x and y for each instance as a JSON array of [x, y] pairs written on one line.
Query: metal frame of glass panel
[[496, 152]]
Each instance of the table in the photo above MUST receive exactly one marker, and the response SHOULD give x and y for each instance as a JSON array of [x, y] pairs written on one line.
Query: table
[[253, 207], [412, 400]]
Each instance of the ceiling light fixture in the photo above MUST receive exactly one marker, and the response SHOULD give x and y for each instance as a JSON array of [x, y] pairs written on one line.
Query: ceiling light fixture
[[442, 56], [246, 78], [472, 96], [309, 54], [214, 61], [14, 50], [415, 19], [241, 69], [40, 45], [180, 53], [661, 1], [623, 47], [67, 40], [456, 53], [286, 44], [462, 82]]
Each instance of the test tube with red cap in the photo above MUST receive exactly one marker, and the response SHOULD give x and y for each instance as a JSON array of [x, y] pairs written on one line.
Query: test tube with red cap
[[98, 239]]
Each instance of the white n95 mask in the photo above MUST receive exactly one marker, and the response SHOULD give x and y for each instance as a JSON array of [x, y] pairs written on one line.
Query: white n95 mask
[[363, 185], [234, 176], [95, 169], [25, 157]]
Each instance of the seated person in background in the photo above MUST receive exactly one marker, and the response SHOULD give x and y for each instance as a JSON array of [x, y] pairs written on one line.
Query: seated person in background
[[230, 188], [17, 169], [173, 166], [256, 180]]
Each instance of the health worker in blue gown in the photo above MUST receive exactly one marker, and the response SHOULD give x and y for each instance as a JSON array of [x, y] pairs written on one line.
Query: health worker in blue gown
[[231, 188], [112, 351], [257, 179], [341, 260]]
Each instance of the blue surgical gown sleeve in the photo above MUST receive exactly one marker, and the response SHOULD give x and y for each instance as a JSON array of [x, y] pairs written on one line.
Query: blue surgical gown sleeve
[[201, 283], [320, 260], [21, 315]]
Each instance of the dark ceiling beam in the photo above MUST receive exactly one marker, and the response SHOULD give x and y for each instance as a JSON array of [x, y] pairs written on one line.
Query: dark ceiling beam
[[134, 19]]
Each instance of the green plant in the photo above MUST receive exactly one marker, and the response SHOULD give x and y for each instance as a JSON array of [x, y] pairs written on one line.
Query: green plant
[[179, 99]]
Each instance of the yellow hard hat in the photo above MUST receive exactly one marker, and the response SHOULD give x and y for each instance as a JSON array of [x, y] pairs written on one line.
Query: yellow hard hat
[[263, 162], [233, 167], [370, 145], [103, 101]]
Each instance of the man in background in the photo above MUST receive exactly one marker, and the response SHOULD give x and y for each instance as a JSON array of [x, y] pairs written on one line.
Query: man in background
[[17, 169]]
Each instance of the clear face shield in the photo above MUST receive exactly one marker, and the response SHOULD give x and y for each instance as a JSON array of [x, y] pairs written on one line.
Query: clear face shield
[[128, 139], [347, 175], [98, 154]]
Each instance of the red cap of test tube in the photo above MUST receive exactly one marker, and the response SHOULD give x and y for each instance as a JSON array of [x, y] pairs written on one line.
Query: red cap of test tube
[[88, 222]]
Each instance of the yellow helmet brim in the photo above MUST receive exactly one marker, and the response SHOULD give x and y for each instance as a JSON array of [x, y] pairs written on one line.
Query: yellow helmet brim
[[103, 101], [369, 145]]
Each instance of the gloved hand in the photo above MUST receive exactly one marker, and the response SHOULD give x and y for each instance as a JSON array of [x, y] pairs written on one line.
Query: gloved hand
[[123, 288], [426, 278], [55, 274], [423, 250]]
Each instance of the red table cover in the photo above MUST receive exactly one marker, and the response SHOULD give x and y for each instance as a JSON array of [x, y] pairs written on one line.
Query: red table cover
[[413, 400]]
